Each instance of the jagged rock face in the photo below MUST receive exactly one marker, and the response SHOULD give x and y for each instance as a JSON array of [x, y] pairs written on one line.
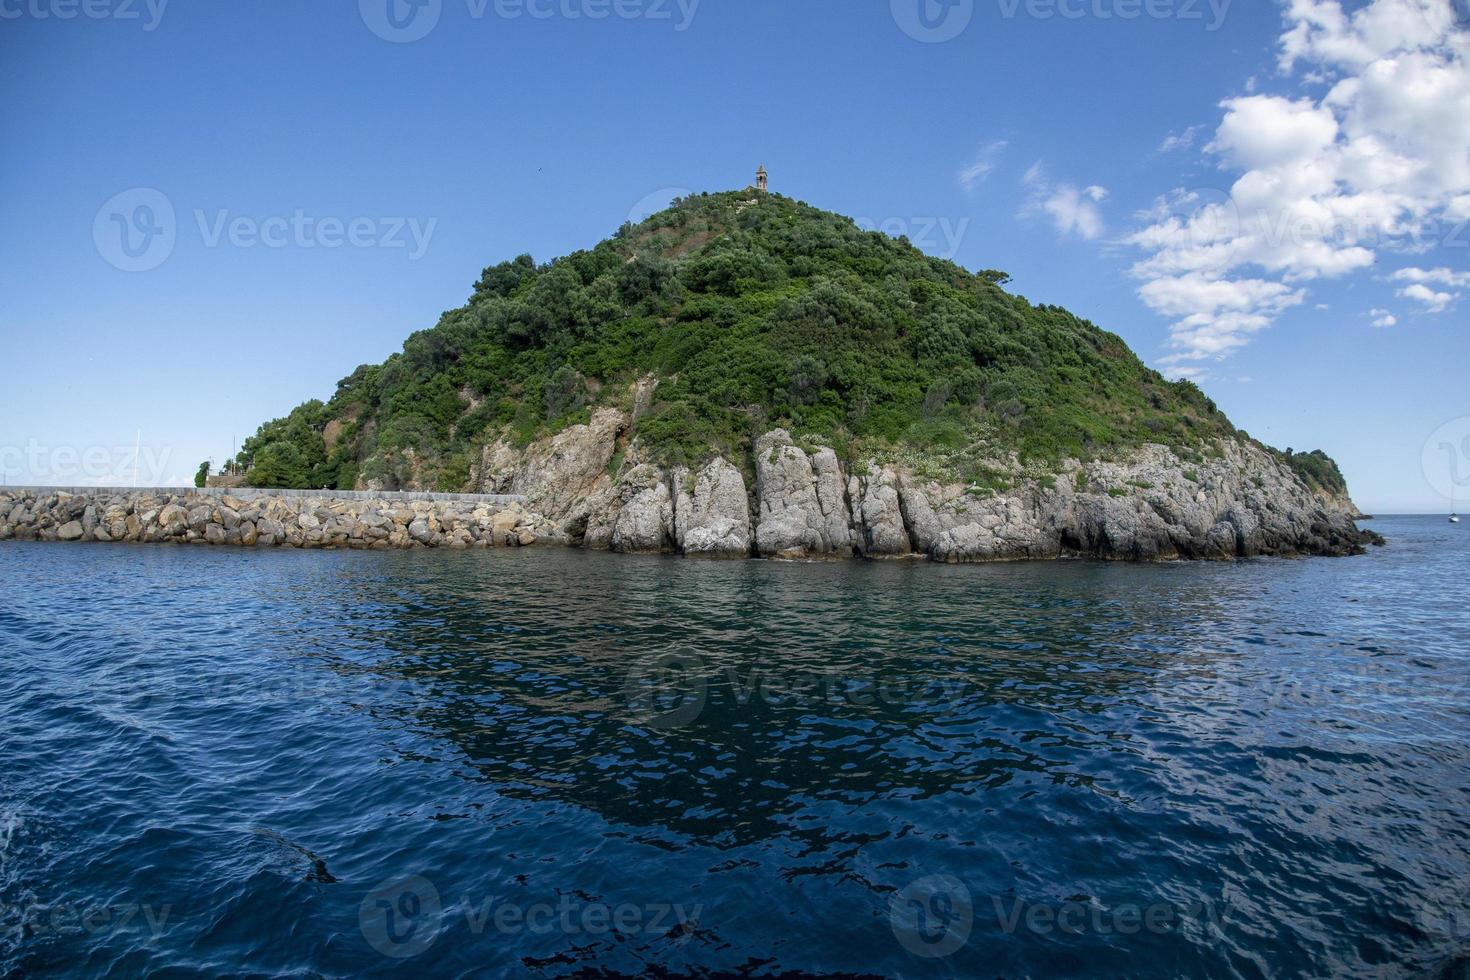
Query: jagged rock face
[[633, 515], [645, 523], [556, 475], [803, 506], [1153, 506], [877, 514], [951, 524], [712, 520]]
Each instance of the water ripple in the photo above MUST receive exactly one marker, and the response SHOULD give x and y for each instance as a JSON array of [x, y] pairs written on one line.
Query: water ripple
[[332, 764]]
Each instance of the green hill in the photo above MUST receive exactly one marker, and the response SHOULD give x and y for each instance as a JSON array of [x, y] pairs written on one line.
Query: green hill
[[753, 311]]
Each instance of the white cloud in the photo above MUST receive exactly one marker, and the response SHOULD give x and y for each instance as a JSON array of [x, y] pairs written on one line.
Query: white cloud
[[1442, 276], [982, 166], [1073, 210], [1183, 295], [1433, 302], [1322, 183], [1180, 141], [1383, 318], [1266, 131]]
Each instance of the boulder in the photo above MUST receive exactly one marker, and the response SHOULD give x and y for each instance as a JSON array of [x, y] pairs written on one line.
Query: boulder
[[173, 520], [802, 504], [712, 518], [198, 517], [877, 515], [645, 523]]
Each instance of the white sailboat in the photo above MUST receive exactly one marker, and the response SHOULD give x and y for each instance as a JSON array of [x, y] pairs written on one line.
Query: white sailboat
[[1454, 516]]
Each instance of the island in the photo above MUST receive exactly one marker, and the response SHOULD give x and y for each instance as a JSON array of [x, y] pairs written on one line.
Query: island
[[745, 375]]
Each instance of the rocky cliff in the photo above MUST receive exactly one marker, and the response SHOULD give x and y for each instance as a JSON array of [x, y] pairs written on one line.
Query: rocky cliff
[[804, 502]]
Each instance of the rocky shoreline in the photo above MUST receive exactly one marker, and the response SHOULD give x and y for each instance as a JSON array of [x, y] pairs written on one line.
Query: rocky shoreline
[[587, 487], [590, 484]]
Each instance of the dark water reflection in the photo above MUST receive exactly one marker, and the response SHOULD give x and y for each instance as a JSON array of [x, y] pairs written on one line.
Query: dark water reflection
[[321, 762]]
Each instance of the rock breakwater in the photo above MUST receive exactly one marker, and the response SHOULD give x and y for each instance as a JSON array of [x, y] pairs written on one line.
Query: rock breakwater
[[266, 518]]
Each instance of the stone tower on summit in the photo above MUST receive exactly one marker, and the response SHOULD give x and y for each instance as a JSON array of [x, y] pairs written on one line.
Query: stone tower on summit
[[761, 178]]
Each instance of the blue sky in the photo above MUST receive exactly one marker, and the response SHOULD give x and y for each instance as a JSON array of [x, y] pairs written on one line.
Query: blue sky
[[1269, 198]]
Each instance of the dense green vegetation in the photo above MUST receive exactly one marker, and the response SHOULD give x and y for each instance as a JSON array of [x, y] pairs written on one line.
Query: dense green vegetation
[[753, 311], [1317, 469]]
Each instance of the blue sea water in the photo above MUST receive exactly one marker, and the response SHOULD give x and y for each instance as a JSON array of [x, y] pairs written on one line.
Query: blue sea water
[[547, 763]]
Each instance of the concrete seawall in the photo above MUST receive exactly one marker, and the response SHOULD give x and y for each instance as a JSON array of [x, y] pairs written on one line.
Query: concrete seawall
[[270, 518]]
